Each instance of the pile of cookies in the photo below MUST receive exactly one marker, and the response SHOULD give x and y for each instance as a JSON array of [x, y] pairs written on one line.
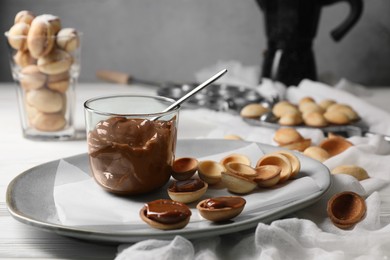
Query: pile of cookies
[[314, 114], [235, 173], [307, 112], [43, 55], [290, 138]]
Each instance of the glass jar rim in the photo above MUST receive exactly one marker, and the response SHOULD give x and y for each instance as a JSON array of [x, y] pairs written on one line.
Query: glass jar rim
[[88, 107]]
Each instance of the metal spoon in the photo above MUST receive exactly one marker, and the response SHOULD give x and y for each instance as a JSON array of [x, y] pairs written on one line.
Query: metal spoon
[[192, 92]]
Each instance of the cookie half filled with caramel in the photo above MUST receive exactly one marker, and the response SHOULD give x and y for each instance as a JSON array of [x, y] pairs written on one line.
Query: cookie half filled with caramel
[[165, 214], [221, 208], [187, 191]]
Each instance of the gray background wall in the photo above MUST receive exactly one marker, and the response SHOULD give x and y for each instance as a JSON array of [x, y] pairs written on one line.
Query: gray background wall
[[171, 39]]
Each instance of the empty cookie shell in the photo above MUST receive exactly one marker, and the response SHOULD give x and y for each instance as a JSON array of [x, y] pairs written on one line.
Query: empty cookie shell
[[184, 168], [210, 171], [298, 146], [295, 163], [187, 191], [335, 145], [267, 175], [279, 160], [238, 158], [237, 184], [241, 170], [356, 171], [221, 208], [346, 209]]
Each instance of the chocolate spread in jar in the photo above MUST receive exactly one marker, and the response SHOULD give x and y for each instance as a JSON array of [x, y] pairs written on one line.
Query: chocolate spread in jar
[[132, 156]]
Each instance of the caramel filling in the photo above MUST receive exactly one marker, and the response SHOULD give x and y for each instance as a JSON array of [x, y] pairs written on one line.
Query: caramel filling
[[224, 202], [186, 185], [167, 211]]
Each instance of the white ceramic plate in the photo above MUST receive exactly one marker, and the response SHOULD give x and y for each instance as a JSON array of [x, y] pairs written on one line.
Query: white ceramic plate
[[30, 199]]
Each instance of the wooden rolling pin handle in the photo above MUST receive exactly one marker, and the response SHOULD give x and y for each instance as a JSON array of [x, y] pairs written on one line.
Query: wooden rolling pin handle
[[114, 76]]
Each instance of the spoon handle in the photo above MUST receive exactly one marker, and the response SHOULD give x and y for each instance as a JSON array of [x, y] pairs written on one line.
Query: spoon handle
[[195, 90]]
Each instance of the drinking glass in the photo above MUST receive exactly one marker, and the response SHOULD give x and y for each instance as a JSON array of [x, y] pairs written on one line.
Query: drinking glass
[[131, 143], [46, 84]]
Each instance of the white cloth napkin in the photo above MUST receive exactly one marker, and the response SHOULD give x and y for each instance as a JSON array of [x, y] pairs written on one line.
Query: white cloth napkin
[[307, 234]]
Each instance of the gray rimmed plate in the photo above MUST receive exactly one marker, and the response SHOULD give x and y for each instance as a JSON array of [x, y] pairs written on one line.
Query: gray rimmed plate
[[30, 199]]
